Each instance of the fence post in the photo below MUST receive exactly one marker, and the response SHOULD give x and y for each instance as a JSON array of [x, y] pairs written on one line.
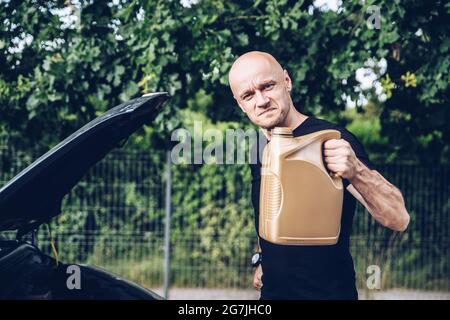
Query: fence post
[[167, 226]]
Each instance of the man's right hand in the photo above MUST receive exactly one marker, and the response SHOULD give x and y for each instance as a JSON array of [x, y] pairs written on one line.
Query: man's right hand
[[257, 282]]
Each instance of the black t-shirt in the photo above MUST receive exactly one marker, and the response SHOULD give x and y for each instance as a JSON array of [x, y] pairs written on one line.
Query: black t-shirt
[[310, 272]]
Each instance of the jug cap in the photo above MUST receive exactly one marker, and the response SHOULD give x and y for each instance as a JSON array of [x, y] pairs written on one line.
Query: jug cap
[[282, 131]]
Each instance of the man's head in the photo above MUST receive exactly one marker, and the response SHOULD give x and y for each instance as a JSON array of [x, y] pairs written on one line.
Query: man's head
[[262, 89]]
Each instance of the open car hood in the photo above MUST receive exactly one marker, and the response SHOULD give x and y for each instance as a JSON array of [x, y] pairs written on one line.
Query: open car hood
[[34, 196]]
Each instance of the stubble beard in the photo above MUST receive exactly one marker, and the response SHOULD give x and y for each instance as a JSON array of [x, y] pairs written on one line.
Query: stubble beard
[[275, 122]]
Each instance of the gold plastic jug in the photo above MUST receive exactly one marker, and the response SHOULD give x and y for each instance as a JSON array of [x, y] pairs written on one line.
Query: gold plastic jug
[[300, 202]]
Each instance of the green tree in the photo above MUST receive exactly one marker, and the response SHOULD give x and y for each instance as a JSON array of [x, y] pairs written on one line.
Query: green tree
[[66, 74]]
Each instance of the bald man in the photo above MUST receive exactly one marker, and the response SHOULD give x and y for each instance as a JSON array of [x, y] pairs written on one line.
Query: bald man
[[262, 90]]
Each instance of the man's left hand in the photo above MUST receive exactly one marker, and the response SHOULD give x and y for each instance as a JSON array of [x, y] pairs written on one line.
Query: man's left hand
[[340, 158]]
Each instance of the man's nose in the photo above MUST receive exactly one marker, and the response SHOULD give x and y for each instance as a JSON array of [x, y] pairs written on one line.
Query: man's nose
[[262, 101]]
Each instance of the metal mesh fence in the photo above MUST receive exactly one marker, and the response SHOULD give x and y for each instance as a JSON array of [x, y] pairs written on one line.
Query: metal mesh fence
[[114, 218]]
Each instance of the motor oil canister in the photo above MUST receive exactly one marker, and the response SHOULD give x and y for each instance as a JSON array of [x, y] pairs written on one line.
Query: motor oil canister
[[300, 202]]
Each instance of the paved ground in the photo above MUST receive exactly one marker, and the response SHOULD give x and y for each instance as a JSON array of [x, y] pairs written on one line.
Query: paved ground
[[237, 294]]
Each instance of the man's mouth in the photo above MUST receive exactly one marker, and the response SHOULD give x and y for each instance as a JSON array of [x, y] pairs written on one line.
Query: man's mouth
[[267, 110]]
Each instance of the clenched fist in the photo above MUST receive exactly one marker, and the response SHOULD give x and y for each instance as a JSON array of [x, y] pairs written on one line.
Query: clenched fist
[[340, 158]]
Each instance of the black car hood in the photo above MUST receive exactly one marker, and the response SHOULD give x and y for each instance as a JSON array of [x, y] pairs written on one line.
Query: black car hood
[[34, 196]]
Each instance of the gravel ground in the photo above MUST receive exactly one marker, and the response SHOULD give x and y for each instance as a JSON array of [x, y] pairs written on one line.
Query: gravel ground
[[238, 294]]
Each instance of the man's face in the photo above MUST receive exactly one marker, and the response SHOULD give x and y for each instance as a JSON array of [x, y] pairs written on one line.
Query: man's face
[[261, 89]]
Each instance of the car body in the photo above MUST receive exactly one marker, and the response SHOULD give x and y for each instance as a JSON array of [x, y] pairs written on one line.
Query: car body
[[34, 197]]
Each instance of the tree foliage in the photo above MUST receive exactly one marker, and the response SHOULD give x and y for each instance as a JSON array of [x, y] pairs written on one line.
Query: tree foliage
[[56, 75]]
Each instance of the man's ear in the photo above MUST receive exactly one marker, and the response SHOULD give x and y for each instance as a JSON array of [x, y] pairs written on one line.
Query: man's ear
[[287, 80], [240, 106]]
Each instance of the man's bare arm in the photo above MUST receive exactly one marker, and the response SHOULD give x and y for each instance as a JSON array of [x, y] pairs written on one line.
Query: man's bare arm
[[381, 198]]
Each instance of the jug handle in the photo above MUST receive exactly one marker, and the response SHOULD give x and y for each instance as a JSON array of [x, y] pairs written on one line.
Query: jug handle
[[325, 136]]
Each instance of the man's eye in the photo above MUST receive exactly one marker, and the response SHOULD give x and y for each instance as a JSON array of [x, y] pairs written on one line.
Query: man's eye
[[247, 97], [269, 86]]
